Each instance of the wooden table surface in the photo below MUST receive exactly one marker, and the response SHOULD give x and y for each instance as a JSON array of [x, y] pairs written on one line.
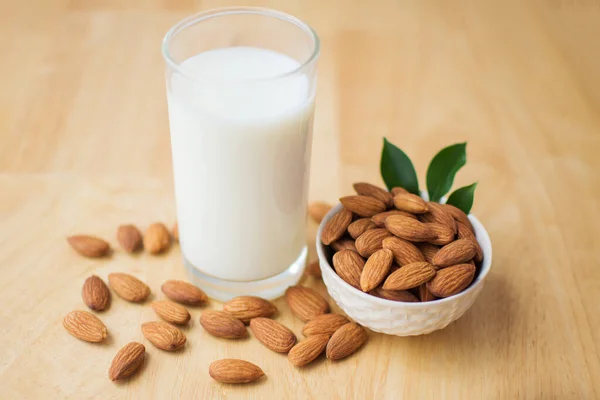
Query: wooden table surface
[[84, 146]]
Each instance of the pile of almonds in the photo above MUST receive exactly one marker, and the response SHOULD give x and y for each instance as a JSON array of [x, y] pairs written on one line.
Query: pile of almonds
[[396, 246]]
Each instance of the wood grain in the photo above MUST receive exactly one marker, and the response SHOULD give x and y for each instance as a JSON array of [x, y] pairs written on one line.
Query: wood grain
[[84, 147]]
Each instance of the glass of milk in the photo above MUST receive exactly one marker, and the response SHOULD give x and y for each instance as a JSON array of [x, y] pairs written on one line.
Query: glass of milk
[[240, 89]]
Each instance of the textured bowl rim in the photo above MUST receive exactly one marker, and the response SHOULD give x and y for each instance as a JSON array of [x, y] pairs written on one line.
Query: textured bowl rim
[[482, 237]]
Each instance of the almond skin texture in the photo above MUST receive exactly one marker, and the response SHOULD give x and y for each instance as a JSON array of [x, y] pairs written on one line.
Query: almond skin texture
[[409, 229], [308, 350], [129, 237], [344, 244], [313, 269], [128, 287], [394, 295], [245, 308], [349, 266], [164, 336], [85, 326], [452, 280], [409, 276], [379, 219], [222, 324], [444, 233], [376, 269], [157, 238], [371, 241], [171, 312], [457, 252], [127, 361], [346, 341], [89, 246], [363, 206], [273, 335], [325, 324], [336, 227], [425, 294], [404, 252], [231, 370], [318, 210], [366, 189], [360, 226], [458, 215], [465, 233], [184, 293], [95, 293], [398, 190], [439, 215], [305, 303], [410, 203], [428, 250]]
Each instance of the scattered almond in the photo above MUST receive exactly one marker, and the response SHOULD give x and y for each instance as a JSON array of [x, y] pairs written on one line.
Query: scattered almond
[[325, 324], [394, 295], [305, 303], [245, 308], [171, 312], [184, 292], [366, 189], [157, 238], [409, 229], [371, 241], [444, 233], [438, 214], [452, 280], [425, 294], [128, 287], [363, 206], [344, 244], [222, 324], [409, 276], [308, 350], [376, 269], [231, 370], [164, 336], [89, 246], [404, 252], [336, 227], [360, 226], [379, 219], [410, 203], [349, 266], [318, 210], [95, 293], [127, 361], [428, 250], [346, 341], [465, 233], [272, 334], [458, 215], [129, 237], [85, 326], [457, 252]]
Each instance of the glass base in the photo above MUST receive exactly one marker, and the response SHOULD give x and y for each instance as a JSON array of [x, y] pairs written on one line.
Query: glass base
[[268, 288]]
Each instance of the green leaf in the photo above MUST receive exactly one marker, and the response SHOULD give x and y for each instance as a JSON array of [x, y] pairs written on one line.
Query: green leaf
[[463, 198], [397, 169], [443, 168]]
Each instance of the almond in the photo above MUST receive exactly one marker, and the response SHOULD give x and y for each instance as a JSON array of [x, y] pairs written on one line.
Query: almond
[[394, 295], [346, 341], [175, 231], [127, 361], [318, 210], [95, 293], [429, 251], [409, 229], [452, 280], [85, 326], [305, 303], [438, 215], [171, 312], [336, 227], [344, 244], [404, 252], [128, 287], [366, 189], [409, 276], [325, 324], [349, 266], [425, 294], [444, 233], [458, 215], [363, 206], [129, 237], [164, 336], [360, 226], [273, 335], [245, 308], [308, 350], [183, 292], [398, 190], [376, 269], [157, 238], [313, 269], [465, 233], [379, 219], [371, 241], [231, 370], [410, 203], [89, 246], [222, 324], [457, 252]]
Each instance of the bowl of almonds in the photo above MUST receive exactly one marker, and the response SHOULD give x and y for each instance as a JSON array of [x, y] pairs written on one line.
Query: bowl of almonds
[[399, 264]]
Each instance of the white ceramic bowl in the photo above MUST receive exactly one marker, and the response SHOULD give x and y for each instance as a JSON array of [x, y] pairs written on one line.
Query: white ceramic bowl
[[399, 318]]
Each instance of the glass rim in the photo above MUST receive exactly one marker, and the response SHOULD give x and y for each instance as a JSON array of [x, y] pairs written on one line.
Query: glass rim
[[223, 11]]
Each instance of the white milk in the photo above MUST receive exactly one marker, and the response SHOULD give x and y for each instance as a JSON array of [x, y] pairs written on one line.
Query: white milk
[[241, 153]]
